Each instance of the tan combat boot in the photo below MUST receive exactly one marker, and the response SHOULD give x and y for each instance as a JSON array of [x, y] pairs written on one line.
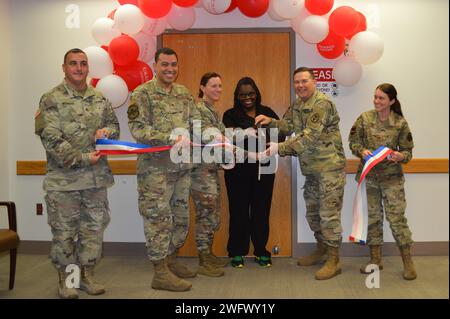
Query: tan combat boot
[[206, 267], [63, 291], [375, 258], [409, 271], [164, 279], [332, 266], [218, 262], [317, 257], [179, 269], [87, 282]]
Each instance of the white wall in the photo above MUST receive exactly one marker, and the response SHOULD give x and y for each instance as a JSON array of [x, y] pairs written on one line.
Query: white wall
[[5, 94], [5, 49], [415, 60]]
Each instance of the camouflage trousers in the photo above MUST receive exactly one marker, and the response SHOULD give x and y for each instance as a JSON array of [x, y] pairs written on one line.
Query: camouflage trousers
[[388, 193], [77, 220], [164, 206], [205, 191], [323, 194]]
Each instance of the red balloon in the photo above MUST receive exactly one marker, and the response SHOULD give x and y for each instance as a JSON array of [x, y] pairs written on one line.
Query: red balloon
[[185, 3], [362, 25], [122, 2], [332, 46], [319, 7], [134, 74], [232, 6], [123, 50], [155, 8], [94, 82], [253, 8], [343, 21]]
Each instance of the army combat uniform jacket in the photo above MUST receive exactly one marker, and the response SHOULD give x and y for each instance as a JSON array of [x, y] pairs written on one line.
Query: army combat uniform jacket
[[369, 133], [204, 176], [317, 141], [66, 122], [152, 116]]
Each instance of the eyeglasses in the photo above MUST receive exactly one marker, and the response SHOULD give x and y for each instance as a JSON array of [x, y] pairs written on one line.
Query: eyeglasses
[[246, 95]]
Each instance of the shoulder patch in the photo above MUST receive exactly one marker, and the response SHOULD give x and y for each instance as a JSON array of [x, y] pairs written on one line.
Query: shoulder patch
[[353, 130], [133, 112]]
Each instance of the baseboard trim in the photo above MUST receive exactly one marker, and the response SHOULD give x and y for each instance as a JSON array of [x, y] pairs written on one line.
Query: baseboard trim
[[432, 248]]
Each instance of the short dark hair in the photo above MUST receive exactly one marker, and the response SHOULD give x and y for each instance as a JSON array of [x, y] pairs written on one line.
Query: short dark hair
[[166, 51], [204, 80], [74, 50], [305, 69], [246, 81]]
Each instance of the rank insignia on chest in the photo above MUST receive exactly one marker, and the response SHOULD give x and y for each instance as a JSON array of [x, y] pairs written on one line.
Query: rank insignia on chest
[[315, 118]]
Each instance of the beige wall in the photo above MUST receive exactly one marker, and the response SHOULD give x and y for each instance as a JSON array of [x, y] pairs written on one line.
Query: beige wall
[[5, 105]]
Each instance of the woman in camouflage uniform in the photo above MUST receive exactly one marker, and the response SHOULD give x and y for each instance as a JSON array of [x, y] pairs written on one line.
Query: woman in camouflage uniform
[[385, 126], [205, 186]]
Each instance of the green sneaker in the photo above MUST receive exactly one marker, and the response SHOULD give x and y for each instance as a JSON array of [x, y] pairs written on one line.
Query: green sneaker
[[237, 262], [263, 261]]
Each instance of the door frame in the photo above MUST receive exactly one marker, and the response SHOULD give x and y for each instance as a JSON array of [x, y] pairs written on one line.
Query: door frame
[[292, 63]]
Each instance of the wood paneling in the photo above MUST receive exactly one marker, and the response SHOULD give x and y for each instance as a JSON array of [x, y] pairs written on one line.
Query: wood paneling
[[128, 167]]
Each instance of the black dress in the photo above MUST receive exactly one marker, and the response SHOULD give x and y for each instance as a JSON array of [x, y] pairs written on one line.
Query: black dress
[[249, 199]]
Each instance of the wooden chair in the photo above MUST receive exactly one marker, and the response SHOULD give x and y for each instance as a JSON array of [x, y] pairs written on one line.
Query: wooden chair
[[9, 240]]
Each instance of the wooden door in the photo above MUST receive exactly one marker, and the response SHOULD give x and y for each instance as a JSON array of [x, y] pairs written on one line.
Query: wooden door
[[266, 58]]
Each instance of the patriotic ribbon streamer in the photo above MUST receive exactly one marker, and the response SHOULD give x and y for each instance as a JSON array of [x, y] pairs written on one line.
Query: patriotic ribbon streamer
[[360, 215], [114, 147]]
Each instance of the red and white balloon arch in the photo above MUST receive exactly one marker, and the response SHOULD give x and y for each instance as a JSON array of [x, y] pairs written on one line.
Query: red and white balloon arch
[[127, 36]]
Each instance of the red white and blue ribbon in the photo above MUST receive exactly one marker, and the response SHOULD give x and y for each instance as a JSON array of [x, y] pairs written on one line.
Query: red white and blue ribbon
[[114, 147], [360, 213]]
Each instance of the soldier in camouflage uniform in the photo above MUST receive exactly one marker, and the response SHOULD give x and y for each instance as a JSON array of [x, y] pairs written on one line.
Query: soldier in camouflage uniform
[[385, 126], [69, 119], [205, 187], [156, 108], [317, 142]]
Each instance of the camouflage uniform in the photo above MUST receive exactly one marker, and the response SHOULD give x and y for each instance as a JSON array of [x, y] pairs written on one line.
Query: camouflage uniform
[[163, 185], [318, 145], [205, 186], [384, 183], [76, 197]]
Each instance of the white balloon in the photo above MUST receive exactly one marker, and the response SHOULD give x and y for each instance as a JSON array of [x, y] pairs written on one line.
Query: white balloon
[[100, 63], [154, 26], [288, 9], [273, 14], [297, 21], [216, 6], [114, 88], [314, 29], [129, 19], [366, 47], [103, 31], [347, 71], [147, 46], [181, 18]]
